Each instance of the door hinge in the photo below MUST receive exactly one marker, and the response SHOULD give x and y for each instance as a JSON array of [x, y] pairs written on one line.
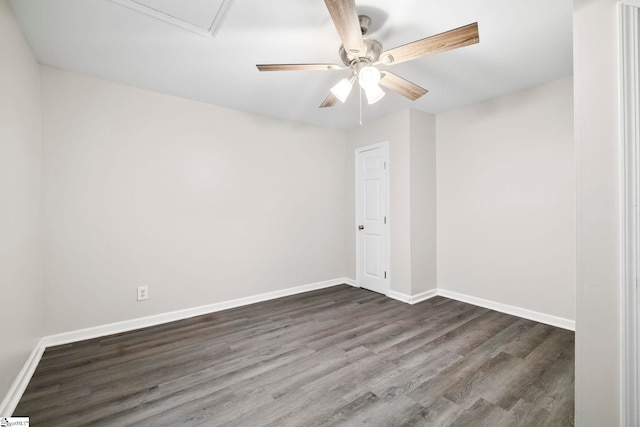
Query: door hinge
[[385, 165], [385, 219], [385, 274]]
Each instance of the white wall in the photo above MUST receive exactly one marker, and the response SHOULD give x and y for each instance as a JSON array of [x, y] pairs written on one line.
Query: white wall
[[598, 172], [506, 200], [202, 203], [411, 138], [20, 201], [422, 162], [395, 130]]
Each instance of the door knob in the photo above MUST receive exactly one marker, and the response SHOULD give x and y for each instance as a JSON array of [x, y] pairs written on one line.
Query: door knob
[[361, 227]]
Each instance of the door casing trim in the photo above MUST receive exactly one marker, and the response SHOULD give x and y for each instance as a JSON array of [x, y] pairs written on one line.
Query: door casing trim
[[629, 94]]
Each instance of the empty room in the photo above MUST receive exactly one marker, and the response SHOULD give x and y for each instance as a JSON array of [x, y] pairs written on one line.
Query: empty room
[[300, 213]]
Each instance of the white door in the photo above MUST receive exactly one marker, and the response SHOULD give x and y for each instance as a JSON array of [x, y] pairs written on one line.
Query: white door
[[372, 235]]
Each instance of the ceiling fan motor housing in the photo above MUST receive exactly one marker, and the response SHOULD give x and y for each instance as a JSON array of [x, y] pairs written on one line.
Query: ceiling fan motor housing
[[371, 54]]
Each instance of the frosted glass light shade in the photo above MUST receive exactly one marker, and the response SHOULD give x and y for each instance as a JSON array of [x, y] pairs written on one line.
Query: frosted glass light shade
[[374, 93], [368, 77], [342, 89]]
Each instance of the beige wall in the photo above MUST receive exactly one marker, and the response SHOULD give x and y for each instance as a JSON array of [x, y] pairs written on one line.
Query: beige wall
[[422, 163], [598, 173], [201, 203], [503, 195], [411, 138], [506, 200], [393, 129], [20, 201]]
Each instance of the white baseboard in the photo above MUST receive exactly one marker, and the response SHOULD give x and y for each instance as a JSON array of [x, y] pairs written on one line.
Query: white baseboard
[[350, 282], [399, 296], [510, 309], [412, 299], [493, 305], [423, 296], [21, 382], [12, 398], [158, 319]]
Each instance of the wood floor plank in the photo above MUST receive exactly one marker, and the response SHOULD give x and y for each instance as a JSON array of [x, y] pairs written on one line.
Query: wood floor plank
[[396, 412], [481, 414], [338, 356], [440, 412], [488, 381], [529, 336], [348, 411], [409, 373], [525, 414]]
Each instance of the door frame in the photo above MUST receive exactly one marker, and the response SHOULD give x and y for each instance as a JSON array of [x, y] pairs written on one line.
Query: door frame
[[629, 66], [358, 151]]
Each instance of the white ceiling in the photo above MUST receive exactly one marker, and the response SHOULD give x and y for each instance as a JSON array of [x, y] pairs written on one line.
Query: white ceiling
[[522, 43], [200, 13]]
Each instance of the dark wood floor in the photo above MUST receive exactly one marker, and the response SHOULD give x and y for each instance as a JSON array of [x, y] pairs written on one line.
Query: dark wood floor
[[339, 356]]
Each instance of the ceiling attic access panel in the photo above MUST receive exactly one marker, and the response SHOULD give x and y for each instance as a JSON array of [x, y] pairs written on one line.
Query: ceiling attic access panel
[[200, 16]]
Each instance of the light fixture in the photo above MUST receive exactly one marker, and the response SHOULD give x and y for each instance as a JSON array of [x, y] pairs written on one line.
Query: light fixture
[[374, 94], [369, 77], [343, 88]]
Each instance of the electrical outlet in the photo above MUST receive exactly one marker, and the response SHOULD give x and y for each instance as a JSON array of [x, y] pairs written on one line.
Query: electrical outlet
[[143, 293]]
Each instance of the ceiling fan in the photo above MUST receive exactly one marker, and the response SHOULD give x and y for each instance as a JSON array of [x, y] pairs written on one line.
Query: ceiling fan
[[362, 55]]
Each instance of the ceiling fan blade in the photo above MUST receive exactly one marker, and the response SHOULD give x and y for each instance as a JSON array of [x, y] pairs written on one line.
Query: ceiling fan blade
[[403, 87], [345, 18], [442, 42], [329, 101], [296, 67]]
